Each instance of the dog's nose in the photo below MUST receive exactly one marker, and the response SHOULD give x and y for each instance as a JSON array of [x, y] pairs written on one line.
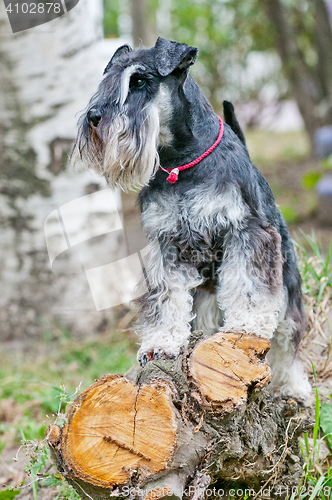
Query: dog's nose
[[94, 116]]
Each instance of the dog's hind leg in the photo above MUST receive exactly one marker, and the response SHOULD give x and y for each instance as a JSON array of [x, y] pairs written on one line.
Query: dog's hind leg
[[289, 378], [250, 290], [254, 300]]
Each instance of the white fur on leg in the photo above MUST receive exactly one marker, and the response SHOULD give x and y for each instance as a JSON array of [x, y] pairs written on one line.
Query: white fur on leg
[[248, 306], [166, 312], [171, 328], [208, 316], [288, 376]]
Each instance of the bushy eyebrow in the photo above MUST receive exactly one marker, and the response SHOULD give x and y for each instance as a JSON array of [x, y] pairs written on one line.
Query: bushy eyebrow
[[125, 79]]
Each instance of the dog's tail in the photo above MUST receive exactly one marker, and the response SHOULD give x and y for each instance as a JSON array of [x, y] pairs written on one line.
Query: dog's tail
[[231, 120]]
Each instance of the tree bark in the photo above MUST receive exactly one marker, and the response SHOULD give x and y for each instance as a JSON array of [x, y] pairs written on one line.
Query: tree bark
[[143, 24], [182, 425], [302, 84], [323, 35]]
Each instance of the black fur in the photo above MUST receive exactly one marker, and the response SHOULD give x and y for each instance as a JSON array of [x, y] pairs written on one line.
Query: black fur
[[231, 120]]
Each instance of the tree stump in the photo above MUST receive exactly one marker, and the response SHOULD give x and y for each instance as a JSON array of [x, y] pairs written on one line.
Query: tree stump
[[201, 422]]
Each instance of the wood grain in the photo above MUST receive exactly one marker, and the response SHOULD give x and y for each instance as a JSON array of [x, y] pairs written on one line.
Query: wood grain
[[116, 427], [227, 364]]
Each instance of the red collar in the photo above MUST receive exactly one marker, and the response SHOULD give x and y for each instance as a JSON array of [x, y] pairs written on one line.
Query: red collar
[[174, 172]]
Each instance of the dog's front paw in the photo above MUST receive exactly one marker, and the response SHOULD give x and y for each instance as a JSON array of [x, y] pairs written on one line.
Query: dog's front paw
[[144, 356]]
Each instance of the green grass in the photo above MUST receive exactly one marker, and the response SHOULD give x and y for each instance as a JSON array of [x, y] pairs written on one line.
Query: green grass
[[35, 380], [316, 272], [32, 374], [315, 268], [317, 478]]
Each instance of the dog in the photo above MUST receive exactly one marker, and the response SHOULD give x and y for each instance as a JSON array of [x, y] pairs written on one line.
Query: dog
[[221, 256]]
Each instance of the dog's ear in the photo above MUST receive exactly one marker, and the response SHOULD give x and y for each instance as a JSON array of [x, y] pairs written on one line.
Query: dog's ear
[[124, 49], [170, 56]]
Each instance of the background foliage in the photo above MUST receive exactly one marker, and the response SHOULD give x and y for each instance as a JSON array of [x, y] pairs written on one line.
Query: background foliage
[[294, 35]]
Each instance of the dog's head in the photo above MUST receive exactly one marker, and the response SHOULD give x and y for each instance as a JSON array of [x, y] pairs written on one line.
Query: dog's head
[[129, 116]]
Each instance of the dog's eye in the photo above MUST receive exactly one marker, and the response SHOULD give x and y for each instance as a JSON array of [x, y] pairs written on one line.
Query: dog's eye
[[137, 81]]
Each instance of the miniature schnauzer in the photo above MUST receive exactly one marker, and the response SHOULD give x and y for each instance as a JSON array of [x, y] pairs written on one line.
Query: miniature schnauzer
[[221, 256]]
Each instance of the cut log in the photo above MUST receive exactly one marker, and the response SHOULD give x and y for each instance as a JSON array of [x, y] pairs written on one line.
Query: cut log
[[182, 424], [118, 423], [226, 365]]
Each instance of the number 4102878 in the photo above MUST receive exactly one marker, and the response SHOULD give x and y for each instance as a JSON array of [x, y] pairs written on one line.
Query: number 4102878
[[34, 8]]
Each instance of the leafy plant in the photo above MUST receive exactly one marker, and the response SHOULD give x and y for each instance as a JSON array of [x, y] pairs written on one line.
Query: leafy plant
[[8, 494], [38, 471], [40, 459], [66, 492], [310, 179]]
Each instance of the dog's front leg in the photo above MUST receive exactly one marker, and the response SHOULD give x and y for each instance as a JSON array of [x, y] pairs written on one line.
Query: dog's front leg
[[250, 282], [165, 311]]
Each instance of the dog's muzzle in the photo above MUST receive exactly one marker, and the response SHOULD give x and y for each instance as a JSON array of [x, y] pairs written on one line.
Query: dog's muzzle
[[94, 116]]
